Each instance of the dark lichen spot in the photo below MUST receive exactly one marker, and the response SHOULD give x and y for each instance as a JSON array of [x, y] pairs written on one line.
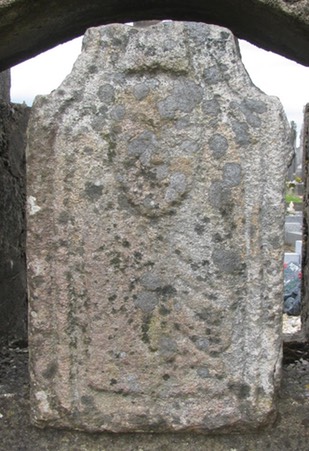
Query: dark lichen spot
[[126, 243], [140, 91], [144, 145], [217, 238], [185, 96], [202, 372], [88, 150], [167, 291], [214, 340], [51, 370], [101, 248], [113, 381], [211, 107], [146, 301], [227, 261], [115, 261], [194, 266], [258, 106], [199, 229], [251, 108], [212, 316], [241, 390], [137, 255], [172, 212], [99, 121], [218, 144], [87, 400], [241, 132], [118, 112], [93, 192], [129, 163], [38, 280], [111, 153], [106, 93], [124, 204], [151, 281], [232, 174], [145, 329], [164, 311], [224, 35], [201, 343], [112, 298], [275, 242], [220, 195], [64, 217], [168, 347], [213, 75], [132, 286]]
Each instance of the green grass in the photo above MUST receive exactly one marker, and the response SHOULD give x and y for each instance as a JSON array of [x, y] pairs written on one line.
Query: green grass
[[293, 198]]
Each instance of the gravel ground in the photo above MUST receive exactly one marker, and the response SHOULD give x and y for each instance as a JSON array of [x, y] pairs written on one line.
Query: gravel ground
[[290, 432]]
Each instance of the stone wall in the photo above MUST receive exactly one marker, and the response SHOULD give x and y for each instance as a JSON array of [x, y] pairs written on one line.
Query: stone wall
[[281, 26], [13, 292], [5, 85]]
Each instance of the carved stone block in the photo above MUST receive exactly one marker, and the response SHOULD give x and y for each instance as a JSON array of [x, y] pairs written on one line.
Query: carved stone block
[[155, 246]]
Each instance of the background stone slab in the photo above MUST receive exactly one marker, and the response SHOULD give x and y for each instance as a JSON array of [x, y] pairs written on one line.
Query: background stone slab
[[156, 176], [13, 287]]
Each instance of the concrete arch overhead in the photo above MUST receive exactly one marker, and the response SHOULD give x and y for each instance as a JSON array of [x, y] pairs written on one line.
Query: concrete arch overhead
[[30, 27]]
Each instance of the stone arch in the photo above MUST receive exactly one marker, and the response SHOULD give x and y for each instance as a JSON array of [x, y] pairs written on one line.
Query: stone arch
[[27, 29]]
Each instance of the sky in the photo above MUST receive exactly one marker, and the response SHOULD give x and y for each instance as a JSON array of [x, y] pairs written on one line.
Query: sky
[[272, 73]]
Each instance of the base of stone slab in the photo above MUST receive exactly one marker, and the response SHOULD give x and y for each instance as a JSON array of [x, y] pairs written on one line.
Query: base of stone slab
[[160, 425], [289, 432]]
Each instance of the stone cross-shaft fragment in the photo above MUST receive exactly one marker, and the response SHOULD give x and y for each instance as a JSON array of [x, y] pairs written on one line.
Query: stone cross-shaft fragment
[[156, 174]]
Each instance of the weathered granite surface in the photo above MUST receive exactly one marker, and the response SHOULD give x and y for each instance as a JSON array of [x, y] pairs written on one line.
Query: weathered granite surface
[[155, 246]]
